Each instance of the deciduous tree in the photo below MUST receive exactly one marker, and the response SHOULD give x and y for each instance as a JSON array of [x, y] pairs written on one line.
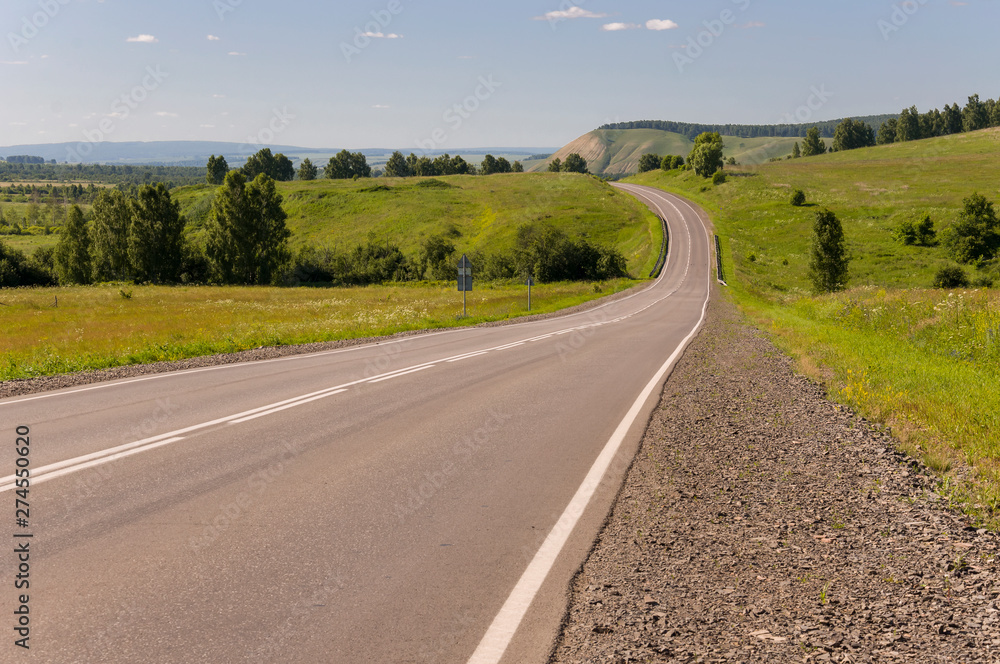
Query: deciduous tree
[[156, 236], [308, 170], [812, 144], [247, 237], [706, 156], [217, 169], [72, 254]]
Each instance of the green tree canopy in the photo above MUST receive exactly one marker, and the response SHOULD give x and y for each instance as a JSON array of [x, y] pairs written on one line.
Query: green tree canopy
[[828, 263], [156, 236], [706, 156], [72, 254], [110, 236], [397, 167], [852, 134], [308, 170], [277, 167], [976, 115], [574, 164], [489, 165], [887, 132], [555, 166], [812, 144], [649, 162], [217, 169], [345, 165], [976, 234], [247, 238]]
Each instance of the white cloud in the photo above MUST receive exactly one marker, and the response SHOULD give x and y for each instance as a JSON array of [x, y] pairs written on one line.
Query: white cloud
[[380, 106], [661, 24], [237, 53], [213, 38], [572, 12], [218, 96], [207, 126], [614, 27], [167, 114], [381, 35], [752, 24], [143, 39]]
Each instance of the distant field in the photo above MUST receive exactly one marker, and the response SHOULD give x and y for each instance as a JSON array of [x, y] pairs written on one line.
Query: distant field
[[97, 327], [477, 212], [921, 360], [29, 243]]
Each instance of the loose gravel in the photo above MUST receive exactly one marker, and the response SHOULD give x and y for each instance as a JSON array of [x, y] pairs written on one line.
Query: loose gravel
[[762, 523]]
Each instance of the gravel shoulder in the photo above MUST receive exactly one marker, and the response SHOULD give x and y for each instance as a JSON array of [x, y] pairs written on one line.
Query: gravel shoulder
[[762, 523]]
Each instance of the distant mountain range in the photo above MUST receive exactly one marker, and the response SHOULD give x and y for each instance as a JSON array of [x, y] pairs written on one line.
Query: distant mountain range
[[196, 153]]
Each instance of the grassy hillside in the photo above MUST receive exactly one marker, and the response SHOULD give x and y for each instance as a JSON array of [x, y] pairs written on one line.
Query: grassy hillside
[[617, 151], [921, 360], [478, 213]]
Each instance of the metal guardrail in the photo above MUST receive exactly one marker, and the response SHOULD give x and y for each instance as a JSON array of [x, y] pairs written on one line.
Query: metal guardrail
[[718, 259], [664, 247]]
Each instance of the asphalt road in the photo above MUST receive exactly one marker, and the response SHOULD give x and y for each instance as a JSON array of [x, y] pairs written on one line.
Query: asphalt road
[[422, 500]]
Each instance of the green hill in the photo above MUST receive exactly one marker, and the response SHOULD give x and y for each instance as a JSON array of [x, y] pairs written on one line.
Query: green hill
[[615, 152], [872, 190], [922, 360], [476, 212]]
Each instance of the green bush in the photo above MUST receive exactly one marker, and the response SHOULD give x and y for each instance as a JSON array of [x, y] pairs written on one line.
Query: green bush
[[719, 178], [921, 234], [951, 276], [799, 198]]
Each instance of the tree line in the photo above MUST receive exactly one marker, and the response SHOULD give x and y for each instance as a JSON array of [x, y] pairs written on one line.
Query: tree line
[[911, 125], [346, 165], [126, 174], [692, 130]]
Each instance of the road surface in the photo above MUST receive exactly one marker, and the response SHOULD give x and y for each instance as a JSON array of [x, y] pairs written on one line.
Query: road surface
[[420, 500]]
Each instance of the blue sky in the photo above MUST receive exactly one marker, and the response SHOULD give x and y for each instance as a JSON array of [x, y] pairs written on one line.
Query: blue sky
[[485, 73]]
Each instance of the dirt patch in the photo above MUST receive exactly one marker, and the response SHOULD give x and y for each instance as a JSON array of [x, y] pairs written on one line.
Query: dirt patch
[[762, 523]]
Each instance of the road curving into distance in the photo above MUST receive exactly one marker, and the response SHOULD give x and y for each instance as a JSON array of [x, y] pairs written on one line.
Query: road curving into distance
[[421, 500]]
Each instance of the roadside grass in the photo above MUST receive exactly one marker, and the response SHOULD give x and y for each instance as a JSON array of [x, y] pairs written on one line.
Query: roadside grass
[[96, 327], [475, 212], [919, 360]]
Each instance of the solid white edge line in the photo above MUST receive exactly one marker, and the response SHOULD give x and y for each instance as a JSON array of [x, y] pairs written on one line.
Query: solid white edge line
[[494, 643]]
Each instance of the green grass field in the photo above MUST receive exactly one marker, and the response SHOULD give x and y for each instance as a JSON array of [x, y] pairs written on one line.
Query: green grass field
[[920, 360], [57, 330], [484, 212]]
